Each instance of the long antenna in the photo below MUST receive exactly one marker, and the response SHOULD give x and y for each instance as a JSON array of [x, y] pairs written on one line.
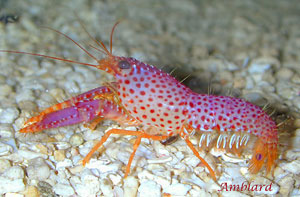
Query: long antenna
[[89, 54], [49, 57]]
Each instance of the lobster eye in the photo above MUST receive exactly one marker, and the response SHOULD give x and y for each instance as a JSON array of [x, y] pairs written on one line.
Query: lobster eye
[[124, 64], [258, 156]]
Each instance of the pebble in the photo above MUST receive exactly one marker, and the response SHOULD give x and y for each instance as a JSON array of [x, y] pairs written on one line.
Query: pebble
[[239, 83], [26, 154], [6, 131], [146, 175], [286, 185], [45, 188], [63, 189], [287, 93], [76, 169], [268, 78], [4, 165], [11, 185], [89, 184], [199, 52], [118, 191], [38, 169], [115, 179], [62, 145], [42, 149], [257, 77], [294, 141], [149, 189], [231, 66], [8, 115], [5, 90], [296, 102], [232, 158], [13, 195], [89, 135], [296, 123], [76, 139], [2, 78], [177, 189], [77, 184], [25, 95], [106, 187], [296, 78], [66, 163], [71, 86], [103, 167], [259, 65], [31, 191], [212, 65], [293, 167], [5, 149], [14, 172], [160, 160], [58, 93], [63, 70], [225, 77], [279, 173], [249, 83], [28, 106], [255, 97], [59, 155], [130, 186], [160, 149], [89, 76], [284, 74], [295, 192], [75, 76]]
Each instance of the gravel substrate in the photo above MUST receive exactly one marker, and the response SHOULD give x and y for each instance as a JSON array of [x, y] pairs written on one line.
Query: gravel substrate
[[249, 49]]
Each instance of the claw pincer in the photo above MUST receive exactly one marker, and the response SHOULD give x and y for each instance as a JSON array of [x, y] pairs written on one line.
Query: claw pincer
[[80, 112]]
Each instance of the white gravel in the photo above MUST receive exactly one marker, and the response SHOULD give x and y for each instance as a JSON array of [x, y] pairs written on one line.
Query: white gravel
[[38, 169], [8, 115], [241, 48], [149, 189]]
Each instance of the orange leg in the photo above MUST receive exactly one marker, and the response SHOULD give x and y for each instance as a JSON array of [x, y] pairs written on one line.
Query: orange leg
[[190, 145], [92, 125], [139, 135], [135, 147]]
